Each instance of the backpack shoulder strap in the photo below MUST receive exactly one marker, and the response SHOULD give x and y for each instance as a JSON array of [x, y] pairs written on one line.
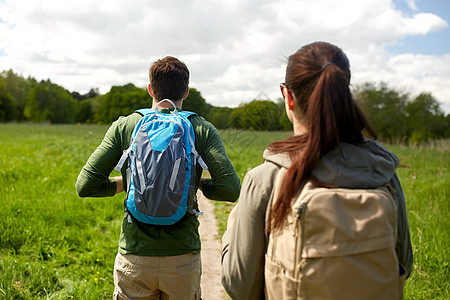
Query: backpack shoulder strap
[[186, 113], [274, 195], [125, 154], [145, 111]]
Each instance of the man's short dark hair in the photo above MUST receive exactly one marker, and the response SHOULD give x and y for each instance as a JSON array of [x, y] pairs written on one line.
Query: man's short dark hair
[[169, 79]]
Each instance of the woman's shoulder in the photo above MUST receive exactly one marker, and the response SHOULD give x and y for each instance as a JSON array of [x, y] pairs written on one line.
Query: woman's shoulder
[[264, 175]]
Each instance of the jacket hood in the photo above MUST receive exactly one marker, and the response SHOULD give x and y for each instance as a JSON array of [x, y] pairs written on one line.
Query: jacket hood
[[366, 165]]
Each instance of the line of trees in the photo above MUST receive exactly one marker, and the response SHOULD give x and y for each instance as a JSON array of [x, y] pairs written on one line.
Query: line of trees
[[395, 115]]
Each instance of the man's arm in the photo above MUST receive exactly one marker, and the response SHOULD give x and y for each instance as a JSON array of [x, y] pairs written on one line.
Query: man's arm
[[94, 180], [224, 184]]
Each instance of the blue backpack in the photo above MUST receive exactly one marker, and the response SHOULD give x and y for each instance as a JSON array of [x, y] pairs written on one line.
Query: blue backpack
[[161, 169]]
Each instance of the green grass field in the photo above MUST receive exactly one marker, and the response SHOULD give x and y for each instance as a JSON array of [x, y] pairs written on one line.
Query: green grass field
[[55, 245]]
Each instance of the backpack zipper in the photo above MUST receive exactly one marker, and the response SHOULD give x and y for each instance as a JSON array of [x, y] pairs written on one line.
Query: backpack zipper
[[301, 209], [299, 248]]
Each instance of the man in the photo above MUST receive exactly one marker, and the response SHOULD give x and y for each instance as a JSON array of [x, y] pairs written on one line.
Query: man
[[159, 262]]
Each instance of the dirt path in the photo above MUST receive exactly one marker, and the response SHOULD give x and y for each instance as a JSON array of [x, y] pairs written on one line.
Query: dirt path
[[211, 247]]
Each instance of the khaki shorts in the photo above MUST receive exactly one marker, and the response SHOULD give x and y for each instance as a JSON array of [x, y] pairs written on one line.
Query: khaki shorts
[[157, 277]]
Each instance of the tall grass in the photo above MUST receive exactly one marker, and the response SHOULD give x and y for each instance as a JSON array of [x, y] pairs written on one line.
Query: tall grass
[[427, 188], [55, 245]]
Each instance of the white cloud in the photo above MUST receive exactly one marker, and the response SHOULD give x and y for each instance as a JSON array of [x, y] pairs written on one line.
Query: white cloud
[[234, 49], [423, 73], [422, 23], [411, 4]]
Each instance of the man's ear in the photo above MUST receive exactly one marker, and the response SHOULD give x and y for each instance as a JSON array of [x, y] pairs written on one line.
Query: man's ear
[[187, 93], [150, 90]]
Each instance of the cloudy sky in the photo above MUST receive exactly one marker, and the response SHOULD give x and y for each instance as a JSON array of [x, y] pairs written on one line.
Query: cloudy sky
[[235, 49]]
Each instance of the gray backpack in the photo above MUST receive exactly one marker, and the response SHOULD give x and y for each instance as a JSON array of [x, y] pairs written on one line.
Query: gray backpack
[[162, 163]]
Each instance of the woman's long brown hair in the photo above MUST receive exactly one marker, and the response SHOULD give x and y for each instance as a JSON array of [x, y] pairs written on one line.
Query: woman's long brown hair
[[318, 75]]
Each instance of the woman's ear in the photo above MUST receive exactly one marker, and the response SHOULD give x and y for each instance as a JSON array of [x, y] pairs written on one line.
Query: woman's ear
[[289, 100], [289, 106]]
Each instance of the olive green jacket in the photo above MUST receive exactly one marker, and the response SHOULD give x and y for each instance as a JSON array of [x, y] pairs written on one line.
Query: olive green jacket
[[149, 240]]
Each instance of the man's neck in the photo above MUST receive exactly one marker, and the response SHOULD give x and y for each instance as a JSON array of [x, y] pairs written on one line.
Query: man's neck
[[165, 104]]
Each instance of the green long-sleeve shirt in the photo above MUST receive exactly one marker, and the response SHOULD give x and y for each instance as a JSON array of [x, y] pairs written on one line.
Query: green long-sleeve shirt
[[150, 240]]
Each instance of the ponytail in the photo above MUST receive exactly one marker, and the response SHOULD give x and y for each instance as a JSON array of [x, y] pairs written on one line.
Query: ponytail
[[329, 113]]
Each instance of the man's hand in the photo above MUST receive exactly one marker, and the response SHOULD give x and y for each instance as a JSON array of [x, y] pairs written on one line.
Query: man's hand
[[119, 182], [202, 180]]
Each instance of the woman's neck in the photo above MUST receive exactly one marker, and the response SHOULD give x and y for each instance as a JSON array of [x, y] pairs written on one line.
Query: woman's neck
[[299, 128]]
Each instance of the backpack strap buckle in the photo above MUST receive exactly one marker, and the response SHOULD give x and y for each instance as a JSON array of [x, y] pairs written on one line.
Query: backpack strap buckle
[[166, 100], [196, 213], [123, 158]]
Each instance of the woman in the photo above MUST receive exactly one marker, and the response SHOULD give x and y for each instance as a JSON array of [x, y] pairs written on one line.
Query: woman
[[327, 147]]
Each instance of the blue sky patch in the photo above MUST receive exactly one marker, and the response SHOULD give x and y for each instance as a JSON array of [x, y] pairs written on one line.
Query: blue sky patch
[[434, 43]]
